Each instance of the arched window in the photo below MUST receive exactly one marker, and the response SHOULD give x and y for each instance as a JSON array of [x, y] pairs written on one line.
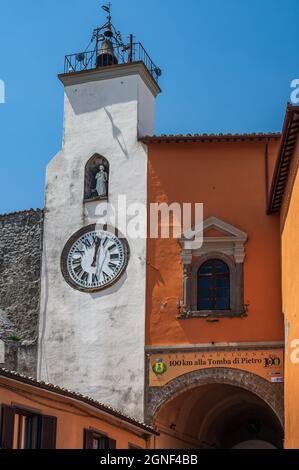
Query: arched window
[[213, 286], [96, 184]]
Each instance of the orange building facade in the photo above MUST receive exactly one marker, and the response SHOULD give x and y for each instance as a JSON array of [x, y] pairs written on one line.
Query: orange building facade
[[284, 201], [36, 415], [229, 179], [230, 175]]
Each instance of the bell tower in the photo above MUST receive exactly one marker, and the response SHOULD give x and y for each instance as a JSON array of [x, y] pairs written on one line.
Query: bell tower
[[92, 313]]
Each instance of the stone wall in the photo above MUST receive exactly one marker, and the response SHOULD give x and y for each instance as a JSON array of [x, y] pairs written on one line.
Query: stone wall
[[20, 357], [20, 271]]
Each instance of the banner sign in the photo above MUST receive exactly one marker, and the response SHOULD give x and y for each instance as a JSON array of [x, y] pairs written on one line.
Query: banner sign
[[267, 364]]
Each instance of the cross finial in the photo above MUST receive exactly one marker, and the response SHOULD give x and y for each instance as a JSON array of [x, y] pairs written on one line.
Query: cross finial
[[107, 9]]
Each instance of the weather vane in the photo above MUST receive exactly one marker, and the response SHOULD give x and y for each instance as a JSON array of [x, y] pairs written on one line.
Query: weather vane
[[108, 31], [107, 9]]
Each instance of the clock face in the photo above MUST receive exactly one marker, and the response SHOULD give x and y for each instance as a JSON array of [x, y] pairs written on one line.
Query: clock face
[[94, 258]]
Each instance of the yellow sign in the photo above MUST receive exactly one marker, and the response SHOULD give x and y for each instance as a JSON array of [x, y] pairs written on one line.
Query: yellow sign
[[268, 364]]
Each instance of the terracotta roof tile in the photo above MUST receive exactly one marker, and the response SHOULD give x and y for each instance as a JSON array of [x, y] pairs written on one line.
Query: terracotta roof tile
[[75, 395], [177, 138]]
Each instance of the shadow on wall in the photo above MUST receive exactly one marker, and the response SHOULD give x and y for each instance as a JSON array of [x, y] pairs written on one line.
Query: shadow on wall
[[112, 290], [117, 135], [219, 416], [43, 319], [84, 100], [97, 101]]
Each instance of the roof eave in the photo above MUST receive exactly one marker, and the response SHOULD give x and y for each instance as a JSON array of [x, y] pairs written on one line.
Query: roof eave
[[77, 396], [285, 153], [167, 139]]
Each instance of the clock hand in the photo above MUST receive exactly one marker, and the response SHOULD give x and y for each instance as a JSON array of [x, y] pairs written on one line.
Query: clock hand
[[96, 251], [102, 262]]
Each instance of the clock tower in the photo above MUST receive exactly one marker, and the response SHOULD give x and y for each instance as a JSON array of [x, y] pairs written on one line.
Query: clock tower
[[92, 309]]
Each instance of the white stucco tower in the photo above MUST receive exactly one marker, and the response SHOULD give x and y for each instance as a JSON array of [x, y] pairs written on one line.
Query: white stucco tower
[[93, 341]]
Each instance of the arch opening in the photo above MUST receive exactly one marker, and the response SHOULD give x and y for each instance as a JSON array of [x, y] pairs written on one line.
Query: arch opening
[[218, 416]]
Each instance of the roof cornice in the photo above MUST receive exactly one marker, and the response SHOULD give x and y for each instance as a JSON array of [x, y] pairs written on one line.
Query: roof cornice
[[114, 71], [285, 154]]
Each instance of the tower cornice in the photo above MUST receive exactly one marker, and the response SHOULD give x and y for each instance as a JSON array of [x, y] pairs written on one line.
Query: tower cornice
[[114, 71]]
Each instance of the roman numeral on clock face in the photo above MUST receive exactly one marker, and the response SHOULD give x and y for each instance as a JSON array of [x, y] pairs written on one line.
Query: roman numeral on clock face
[[78, 270], [77, 262], [79, 253], [114, 256], [112, 266], [84, 277], [86, 243]]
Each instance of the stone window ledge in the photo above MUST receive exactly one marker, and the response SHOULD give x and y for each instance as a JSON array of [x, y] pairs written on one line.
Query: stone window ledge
[[97, 198], [187, 315]]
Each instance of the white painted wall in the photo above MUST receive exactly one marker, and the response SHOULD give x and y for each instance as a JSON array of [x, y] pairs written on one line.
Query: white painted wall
[[94, 343]]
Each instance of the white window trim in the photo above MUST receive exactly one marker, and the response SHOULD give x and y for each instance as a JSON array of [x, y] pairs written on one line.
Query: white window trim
[[231, 244]]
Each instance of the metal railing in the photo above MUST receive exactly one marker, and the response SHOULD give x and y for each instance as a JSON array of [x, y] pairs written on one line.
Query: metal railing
[[87, 60]]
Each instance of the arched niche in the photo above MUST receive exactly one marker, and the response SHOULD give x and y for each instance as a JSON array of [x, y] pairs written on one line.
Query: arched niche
[[96, 181]]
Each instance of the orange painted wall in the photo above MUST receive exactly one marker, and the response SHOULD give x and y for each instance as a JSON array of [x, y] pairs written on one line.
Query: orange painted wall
[[72, 417], [290, 283], [229, 178]]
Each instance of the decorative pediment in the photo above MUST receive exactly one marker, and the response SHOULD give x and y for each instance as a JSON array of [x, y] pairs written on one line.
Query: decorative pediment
[[215, 236], [213, 232], [228, 230]]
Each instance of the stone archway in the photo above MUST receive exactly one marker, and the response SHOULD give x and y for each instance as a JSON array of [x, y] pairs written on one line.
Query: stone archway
[[271, 394], [217, 408]]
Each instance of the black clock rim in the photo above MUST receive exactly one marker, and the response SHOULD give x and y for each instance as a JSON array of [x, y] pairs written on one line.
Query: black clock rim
[[70, 243]]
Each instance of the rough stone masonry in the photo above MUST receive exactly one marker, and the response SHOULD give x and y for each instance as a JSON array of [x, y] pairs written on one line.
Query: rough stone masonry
[[20, 272]]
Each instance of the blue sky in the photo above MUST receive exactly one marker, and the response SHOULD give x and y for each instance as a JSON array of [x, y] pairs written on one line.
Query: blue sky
[[227, 67]]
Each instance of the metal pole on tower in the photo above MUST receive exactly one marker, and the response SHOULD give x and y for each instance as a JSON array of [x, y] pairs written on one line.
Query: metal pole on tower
[[131, 49]]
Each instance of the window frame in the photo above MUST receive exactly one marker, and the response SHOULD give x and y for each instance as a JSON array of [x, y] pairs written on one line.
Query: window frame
[[46, 427], [196, 248], [34, 434], [236, 280], [94, 434], [213, 277]]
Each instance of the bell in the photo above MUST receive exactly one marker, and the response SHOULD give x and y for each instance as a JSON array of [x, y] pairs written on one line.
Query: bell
[[105, 56], [108, 33]]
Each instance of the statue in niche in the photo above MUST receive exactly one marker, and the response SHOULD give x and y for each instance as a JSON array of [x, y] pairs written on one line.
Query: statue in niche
[[96, 181], [101, 182]]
